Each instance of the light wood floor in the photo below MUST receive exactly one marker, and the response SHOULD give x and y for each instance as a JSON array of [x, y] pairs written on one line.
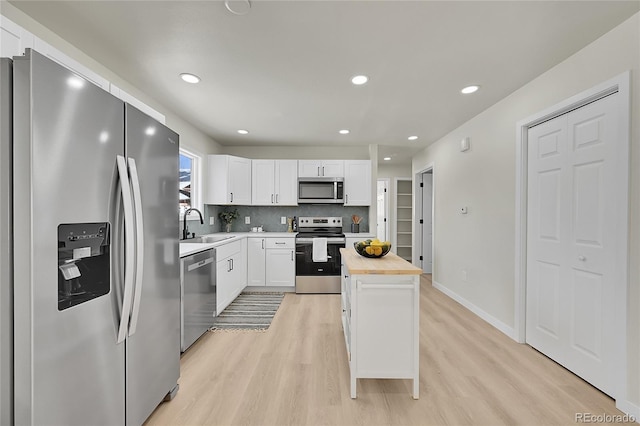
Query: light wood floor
[[296, 373]]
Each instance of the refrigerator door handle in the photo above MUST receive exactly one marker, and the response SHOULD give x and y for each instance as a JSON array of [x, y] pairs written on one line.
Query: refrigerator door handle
[[129, 247], [139, 263]]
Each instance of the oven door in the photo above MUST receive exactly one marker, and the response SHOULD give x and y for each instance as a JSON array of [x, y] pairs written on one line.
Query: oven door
[[304, 257]]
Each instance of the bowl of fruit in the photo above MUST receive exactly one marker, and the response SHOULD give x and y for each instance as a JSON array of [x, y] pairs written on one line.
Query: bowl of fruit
[[372, 248]]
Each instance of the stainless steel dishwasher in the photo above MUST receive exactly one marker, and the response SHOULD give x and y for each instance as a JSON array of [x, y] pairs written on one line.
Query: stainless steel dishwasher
[[198, 295]]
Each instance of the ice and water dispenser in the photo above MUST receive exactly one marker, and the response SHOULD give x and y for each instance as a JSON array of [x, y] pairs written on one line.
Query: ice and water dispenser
[[83, 263]]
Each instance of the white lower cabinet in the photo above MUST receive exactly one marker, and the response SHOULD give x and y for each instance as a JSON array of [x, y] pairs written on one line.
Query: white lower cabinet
[[256, 252], [271, 261], [231, 272], [380, 320], [281, 265]]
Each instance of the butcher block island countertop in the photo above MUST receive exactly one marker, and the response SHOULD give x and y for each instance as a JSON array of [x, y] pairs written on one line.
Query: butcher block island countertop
[[391, 264], [381, 317]]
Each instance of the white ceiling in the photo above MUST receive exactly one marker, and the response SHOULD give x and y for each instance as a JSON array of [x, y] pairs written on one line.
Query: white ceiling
[[283, 70]]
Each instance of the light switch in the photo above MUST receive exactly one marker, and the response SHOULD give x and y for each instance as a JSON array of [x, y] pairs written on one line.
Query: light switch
[[464, 145], [283, 220]]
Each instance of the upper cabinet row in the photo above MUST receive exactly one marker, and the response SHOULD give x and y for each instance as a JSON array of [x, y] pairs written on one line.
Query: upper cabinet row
[[241, 181]]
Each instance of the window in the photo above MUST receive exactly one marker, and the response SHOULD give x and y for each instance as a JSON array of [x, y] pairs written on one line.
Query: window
[[189, 182]]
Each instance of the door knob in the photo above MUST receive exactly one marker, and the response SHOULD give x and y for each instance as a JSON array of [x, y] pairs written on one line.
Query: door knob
[[582, 258]]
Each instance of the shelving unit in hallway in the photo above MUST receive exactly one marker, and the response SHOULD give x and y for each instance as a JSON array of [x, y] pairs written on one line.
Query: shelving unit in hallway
[[404, 214]]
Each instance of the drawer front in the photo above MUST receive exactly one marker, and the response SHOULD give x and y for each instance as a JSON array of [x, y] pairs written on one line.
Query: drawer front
[[227, 250], [281, 243]]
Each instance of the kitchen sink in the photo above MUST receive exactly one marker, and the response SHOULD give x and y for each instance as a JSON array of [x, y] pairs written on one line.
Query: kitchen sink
[[209, 238]]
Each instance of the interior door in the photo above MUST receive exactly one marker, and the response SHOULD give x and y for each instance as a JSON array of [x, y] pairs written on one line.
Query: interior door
[[427, 222], [382, 209], [570, 240]]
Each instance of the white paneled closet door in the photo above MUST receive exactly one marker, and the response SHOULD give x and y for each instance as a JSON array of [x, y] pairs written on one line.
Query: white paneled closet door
[[571, 240]]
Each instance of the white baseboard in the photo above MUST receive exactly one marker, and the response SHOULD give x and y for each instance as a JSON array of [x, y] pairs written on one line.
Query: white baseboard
[[509, 331], [629, 408]]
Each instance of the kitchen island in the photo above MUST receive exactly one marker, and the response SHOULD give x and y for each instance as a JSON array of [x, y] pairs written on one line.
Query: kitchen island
[[381, 317]]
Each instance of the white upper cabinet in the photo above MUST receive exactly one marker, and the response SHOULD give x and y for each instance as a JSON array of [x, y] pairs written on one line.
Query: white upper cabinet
[[229, 180], [13, 39], [321, 168], [274, 182], [357, 183]]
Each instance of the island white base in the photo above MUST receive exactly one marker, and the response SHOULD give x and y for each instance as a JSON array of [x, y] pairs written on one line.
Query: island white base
[[380, 318]]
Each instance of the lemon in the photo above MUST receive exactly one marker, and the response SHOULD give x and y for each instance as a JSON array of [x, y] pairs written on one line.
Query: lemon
[[377, 251], [369, 250]]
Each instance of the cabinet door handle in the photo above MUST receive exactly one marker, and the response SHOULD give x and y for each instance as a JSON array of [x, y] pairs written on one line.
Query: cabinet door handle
[[232, 197], [322, 170], [346, 198], [318, 170], [228, 265], [292, 255], [276, 198], [263, 244], [231, 264]]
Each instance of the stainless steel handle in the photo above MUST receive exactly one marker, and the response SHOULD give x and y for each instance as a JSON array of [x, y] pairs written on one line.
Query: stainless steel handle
[[228, 265], [276, 198], [263, 244], [200, 264], [322, 170], [137, 203], [346, 198], [292, 255], [271, 198], [318, 170], [231, 197], [231, 263], [280, 243], [129, 240]]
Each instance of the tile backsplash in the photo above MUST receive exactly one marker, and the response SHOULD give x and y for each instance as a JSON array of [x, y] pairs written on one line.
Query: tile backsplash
[[269, 217]]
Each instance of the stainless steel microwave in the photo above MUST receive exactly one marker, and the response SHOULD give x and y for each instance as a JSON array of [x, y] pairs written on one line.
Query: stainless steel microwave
[[321, 190]]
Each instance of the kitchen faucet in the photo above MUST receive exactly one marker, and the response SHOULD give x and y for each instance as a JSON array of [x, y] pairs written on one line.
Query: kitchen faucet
[[185, 230]]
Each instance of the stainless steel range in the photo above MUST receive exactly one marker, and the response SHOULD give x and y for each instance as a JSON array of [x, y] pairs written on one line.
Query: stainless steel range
[[318, 246]]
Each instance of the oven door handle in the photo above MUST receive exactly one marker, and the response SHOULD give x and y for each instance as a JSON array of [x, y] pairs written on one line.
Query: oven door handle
[[329, 241]]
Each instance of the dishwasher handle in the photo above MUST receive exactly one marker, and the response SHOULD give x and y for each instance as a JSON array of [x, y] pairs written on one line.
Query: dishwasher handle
[[198, 265]]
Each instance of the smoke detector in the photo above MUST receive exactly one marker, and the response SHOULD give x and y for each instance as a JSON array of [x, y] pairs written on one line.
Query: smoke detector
[[238, 7]]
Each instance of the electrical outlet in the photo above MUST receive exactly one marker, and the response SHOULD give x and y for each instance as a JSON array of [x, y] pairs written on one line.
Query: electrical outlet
[[211, 220], [247, 220], [283, 220]]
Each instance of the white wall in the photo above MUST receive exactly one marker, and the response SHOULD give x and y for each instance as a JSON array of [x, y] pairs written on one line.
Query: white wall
[[483, 178], [190, 136]]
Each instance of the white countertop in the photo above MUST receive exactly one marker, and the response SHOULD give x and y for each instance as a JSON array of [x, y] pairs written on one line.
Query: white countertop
[[188, 248]]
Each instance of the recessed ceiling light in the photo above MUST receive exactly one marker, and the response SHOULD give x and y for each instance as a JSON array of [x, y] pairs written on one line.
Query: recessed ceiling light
[[190, 78], [359, 80], [412, 138], [470, 89], [243, 132], [387, 158], [344, 132]]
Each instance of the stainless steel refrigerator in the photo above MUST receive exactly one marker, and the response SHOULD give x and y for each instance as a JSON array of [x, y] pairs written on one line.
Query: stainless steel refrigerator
[[96, 292]]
